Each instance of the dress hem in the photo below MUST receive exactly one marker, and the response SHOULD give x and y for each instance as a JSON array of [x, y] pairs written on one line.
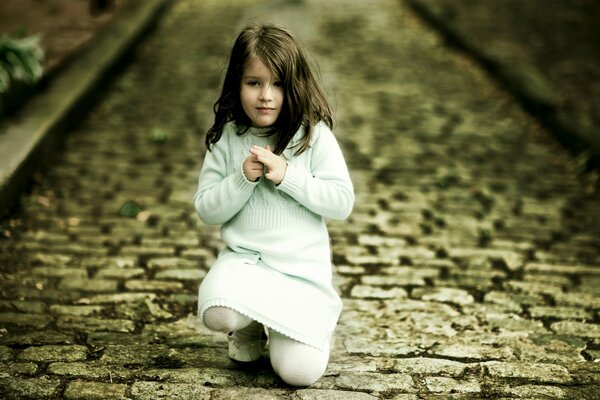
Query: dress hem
[[221, 302]]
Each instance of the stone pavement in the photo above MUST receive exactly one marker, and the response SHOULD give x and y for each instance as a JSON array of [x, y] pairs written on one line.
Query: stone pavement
[[545, 52], [469, 268]]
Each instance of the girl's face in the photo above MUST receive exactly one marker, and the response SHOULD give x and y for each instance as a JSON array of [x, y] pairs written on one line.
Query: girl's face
[[261, 94]]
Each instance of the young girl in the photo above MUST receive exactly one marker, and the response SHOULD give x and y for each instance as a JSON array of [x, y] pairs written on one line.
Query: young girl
[[273, 172]]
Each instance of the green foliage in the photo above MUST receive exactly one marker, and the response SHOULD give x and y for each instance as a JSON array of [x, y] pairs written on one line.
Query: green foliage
[[20, 59], [159, 135], [130, 209]]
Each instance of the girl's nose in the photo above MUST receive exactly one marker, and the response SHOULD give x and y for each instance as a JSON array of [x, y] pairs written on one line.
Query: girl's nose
[[266, 93]]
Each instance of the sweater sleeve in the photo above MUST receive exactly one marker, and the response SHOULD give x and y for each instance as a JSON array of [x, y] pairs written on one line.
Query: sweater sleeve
[[219, 196], [328, 190]]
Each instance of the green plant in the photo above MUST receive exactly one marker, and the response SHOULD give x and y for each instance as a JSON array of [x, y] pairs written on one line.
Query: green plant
[[20, 59]]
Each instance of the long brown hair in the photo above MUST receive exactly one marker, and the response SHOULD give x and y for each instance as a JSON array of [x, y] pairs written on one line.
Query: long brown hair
[[304, 101]]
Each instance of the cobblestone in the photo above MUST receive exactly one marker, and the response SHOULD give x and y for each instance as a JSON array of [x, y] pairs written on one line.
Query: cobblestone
[[81, 390], [54, 353], [468, 269]]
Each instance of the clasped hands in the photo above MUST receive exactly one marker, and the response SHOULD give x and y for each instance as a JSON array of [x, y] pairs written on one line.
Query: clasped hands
[[261, 158]]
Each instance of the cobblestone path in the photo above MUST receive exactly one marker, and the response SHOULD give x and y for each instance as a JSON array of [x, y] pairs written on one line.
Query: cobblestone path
[[469, 269]]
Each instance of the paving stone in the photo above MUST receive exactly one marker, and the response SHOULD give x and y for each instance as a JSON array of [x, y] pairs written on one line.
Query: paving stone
[[578, 299], [102, 338], [117, 298], [550, 348], [57, 272], [553, 280], [210, 372], [532, 392], [316, 394], [80, 390], [182, 274], [540, 373], [408, 278], [38, 338], [89, 285], [54, 353], [91, 324], [341, 362], [47, 294], [514, 323], [35, 321], [198, 341], [576, 329], [405, 397], [374, 382], [120, 273], [92, 370], [178, 391], [512, 302], [172, 263], [372, 292], [153, 286], [146, 311], [35, 388], [148, 251], [560, 313], [349, 269], [429, 366], [472, 351], [53, 260], [32, 307], [132, 354], [76, 311], [6, 353], [533, 287], [578, 270], [117, 262], [380, 348], [8, 368], [438, 384], [249, 394], [444, 295], [212, 353]]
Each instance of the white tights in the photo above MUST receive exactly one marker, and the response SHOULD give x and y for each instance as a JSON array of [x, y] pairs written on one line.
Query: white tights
[[296, 363]]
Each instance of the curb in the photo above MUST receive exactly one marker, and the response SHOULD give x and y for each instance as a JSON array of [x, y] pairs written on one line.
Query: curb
[[36, 132], [533, 91]]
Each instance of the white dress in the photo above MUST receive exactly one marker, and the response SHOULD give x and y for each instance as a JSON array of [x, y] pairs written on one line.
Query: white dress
[[276, 268]]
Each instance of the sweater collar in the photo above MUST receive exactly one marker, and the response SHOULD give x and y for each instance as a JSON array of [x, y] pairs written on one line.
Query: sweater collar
[[259, 131]]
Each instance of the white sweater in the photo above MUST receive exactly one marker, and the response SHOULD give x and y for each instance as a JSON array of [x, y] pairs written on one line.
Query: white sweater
[[282, 226]]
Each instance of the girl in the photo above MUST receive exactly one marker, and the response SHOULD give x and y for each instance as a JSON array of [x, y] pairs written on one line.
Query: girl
[[273, 172]]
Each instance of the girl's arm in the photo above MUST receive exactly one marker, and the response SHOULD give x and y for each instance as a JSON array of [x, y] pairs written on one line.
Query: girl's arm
[[328, 190], [220, 196]]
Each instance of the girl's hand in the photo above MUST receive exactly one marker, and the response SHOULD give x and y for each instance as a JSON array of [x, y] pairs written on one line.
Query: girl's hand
[[252, 168], [276, 165]]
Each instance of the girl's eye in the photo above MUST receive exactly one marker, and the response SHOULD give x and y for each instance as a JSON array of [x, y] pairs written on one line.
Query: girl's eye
[[252, 83], [278, 84]]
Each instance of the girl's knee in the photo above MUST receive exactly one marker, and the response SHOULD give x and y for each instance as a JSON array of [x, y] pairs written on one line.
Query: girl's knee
[[295, 373], [297, 364], [224, 319]]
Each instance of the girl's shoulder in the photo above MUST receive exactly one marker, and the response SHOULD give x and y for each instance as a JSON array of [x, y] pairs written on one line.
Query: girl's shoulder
[[320, 131], [231, 133], [230, 128]]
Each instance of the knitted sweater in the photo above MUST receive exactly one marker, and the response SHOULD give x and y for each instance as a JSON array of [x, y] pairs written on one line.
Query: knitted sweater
[[282, 226]]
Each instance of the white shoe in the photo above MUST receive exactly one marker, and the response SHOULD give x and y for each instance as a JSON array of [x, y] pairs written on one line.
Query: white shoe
[[248, 344]]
